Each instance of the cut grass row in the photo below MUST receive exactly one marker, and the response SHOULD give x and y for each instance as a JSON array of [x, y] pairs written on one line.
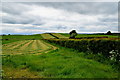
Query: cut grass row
[[26, 47], [14, 48]]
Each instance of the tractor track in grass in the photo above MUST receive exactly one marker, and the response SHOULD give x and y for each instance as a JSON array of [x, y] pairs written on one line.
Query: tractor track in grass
[[34, 45], [13, 49], [45, 47], [27, 47], [18, 45]]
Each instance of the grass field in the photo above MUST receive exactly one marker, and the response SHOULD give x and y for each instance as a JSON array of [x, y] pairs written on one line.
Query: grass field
[[27, 56], [13, 38], [46, 36], [59, 35], [26, 47], [90, 35]]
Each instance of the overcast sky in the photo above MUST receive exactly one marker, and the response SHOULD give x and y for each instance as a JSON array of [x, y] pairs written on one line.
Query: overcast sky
[[41, 17]]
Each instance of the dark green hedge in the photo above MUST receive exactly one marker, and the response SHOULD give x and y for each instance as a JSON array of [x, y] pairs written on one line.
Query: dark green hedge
[[108, 48]]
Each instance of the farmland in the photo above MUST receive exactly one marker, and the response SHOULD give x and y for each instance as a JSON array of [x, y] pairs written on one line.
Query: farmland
[[90, 35], [59, 35], [30, 56], [46, 36], [13, 38], [26, 47]]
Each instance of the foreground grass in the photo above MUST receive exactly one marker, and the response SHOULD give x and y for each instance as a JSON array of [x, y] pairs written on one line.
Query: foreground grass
[[61, 63]]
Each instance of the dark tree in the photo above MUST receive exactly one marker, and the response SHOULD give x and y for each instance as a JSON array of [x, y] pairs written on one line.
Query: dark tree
[[4, 35], [109, 33], [73, 33]]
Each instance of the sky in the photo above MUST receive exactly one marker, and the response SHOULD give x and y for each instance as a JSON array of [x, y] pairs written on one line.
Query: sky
[[59, 17]]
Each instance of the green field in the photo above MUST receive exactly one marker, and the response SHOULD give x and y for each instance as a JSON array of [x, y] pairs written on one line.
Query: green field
[[47, 36], [90, 35], [13, 38], [59, 35], [28, 56]]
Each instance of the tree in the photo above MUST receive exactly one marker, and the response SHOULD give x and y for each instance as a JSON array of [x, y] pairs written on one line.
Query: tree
[[73, 33], [109, 33]]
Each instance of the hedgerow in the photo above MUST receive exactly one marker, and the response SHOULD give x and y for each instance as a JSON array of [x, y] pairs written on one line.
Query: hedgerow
[[106, 47]]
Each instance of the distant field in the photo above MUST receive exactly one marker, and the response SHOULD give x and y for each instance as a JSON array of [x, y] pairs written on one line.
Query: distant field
[[46, 36], [59, 35], [90, 35], [13, 38]]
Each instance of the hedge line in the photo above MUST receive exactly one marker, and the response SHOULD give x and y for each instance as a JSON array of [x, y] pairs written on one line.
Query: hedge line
[[108, 48]]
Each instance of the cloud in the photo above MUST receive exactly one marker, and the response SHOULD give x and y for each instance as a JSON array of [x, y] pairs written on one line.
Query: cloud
[[89, 8], [60, 1], [29, 18]]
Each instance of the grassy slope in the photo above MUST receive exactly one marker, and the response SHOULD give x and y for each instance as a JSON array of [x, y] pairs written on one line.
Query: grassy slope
[[89, 35], [59, 35], [61, 63], [46, 36]]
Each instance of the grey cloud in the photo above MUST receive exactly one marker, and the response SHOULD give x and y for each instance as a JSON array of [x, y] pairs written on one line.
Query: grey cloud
[[60, 27], [21, 19], [14, 8], [109, 20], [16, 20], [88, 8]]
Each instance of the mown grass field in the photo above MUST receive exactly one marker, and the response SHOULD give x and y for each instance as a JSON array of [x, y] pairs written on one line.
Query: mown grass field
[[26, 47], [59, 35], [46, 36], [28, 56]]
